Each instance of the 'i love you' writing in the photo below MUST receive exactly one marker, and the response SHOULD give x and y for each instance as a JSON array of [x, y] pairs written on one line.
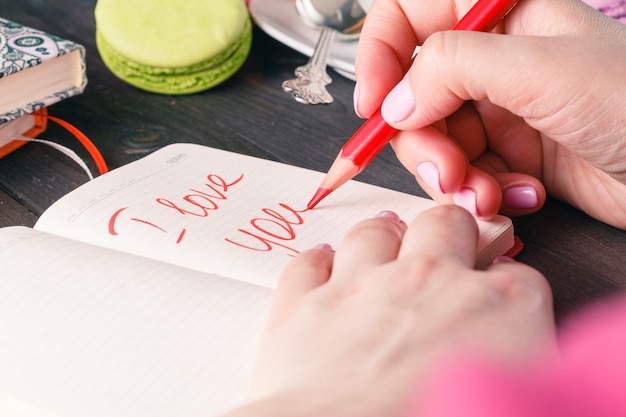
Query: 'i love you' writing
[[274, 228]]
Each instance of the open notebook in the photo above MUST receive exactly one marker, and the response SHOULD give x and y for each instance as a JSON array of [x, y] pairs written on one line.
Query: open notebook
[[144, 291]]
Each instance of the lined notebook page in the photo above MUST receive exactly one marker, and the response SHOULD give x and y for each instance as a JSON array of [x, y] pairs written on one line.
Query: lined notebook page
[[88, 332], [223, 213]]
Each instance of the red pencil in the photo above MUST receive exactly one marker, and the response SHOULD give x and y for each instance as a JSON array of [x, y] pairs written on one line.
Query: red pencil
[[375, 133]]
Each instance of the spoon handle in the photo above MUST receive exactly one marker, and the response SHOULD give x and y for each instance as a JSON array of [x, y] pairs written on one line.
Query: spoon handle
[[309, 86], [322, 48]]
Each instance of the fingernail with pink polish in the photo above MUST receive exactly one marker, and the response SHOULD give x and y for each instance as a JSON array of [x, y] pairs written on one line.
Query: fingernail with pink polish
[[399, 103], [430, 174], [501, 259], [389, 215], [325, 247], [466, 198], [521, 197], [355, 100]]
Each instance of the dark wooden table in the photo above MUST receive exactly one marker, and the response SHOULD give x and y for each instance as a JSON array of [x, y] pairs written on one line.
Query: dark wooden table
[[583, 259]]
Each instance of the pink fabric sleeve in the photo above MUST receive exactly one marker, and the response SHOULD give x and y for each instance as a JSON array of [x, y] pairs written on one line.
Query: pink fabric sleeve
[[587, 379], [614, 8]]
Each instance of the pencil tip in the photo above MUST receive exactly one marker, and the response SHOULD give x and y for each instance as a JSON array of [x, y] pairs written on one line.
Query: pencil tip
[[317, 197]]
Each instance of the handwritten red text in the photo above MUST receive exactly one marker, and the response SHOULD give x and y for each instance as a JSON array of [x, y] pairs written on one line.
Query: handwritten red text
[[274, 230]]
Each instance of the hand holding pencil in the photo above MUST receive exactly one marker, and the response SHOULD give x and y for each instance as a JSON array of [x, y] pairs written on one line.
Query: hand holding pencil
[[494, 122], [374, 135]]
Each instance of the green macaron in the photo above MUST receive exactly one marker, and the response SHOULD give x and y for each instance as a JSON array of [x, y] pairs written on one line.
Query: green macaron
[[173, 46]]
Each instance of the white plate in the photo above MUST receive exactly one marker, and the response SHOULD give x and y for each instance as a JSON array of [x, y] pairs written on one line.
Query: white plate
[[280, 20]]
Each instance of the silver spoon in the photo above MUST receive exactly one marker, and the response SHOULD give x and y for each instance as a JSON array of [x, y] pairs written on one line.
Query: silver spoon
[[333, 16]]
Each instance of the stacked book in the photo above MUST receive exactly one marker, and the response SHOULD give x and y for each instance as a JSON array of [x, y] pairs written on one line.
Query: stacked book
[[36, 70]]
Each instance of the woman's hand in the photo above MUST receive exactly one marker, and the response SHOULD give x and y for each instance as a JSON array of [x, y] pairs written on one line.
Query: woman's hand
[[488, 120], [355, 332]]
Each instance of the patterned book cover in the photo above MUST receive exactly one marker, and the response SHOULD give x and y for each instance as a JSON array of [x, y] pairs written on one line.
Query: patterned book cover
[[22, 47]]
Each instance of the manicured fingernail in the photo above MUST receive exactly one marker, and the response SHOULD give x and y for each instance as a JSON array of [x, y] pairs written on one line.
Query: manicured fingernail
[[355, 100], [399, 103], [325, 247], [521, 197], [389, 214], [430, 174], [466, 198], [501, 259]]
